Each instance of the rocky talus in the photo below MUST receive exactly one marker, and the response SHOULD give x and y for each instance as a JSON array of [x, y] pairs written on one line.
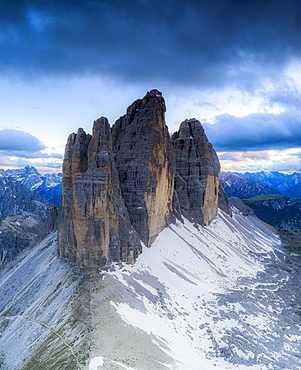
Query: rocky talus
[[197, 172], [124, 184]]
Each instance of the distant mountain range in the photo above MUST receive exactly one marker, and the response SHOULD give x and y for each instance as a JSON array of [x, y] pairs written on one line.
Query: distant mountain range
[[236, 186], [26, 208], [277, 210], [273, 196], [286, 184], [23, 217], [48, 185]]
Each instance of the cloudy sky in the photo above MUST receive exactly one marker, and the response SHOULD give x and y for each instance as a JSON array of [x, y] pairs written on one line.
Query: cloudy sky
[[234, 65]]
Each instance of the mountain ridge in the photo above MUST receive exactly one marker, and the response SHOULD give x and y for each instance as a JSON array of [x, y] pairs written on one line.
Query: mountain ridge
[[277, 210], [239, 187], [171, 310], [211, 289], [24, 217], [287, 184], [48, 185], [121, 184]]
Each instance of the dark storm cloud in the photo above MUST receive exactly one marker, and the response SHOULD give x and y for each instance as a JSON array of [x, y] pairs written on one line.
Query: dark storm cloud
[[201, 42], [258, 131]]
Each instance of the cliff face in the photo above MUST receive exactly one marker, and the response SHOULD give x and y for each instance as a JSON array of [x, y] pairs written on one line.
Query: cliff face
[[145, 163], [198, 171], [124, 184], [95, 228], [223, 201]]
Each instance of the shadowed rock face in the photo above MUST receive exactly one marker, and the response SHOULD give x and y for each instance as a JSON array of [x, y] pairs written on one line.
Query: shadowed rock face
[[121, 185], [223, 201], [95, 228], [197, 172], [145, 163]]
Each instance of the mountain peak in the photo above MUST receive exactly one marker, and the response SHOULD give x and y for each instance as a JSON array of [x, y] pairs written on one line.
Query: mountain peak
[[118, 184]]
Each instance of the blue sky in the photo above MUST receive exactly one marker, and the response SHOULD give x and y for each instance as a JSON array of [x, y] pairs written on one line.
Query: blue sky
[[234, 65]]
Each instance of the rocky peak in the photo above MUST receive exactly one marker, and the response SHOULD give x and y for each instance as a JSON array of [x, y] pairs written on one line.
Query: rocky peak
[[153, 100], [198, 170], [100, 145], [145, 164], [121, 185], [95, 229], [190, 129]]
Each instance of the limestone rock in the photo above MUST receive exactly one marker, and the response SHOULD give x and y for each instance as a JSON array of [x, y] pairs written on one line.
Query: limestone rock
[[125, 184], [223, 201], [95, 228], [241, 207], [198, 171], [145, 164]]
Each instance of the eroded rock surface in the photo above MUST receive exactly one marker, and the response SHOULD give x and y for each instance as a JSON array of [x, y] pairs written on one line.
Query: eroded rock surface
[[145, 163], [198, 171], [95, 229], [125, 184], [223, 200]]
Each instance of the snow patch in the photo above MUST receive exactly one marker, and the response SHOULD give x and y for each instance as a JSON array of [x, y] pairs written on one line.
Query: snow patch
[[95, 362]]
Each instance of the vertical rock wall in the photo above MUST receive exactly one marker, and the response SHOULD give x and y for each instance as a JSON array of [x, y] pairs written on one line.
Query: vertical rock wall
[[121, 185], [223, 201], [145, 163], [197, 172], [95, 228]]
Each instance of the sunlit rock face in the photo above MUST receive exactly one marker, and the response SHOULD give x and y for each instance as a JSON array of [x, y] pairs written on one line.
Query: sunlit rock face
[[95, 228], [197, 172], [145, 164]]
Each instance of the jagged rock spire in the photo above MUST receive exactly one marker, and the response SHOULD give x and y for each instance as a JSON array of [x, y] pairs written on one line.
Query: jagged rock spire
[[197, 172], [95, 229], [124, 184], [145, 163]]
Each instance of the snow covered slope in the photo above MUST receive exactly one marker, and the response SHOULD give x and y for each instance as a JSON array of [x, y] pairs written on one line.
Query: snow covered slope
[[225, 296], [213, 298]]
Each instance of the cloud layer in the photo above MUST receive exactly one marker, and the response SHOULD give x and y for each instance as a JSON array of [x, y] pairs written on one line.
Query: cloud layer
[[202, 46], [260, 131], [19, 148], [19, 141], [207, 43], [287, 160]]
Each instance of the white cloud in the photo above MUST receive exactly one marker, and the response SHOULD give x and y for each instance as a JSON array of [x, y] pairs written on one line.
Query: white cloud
[[288, 160]]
